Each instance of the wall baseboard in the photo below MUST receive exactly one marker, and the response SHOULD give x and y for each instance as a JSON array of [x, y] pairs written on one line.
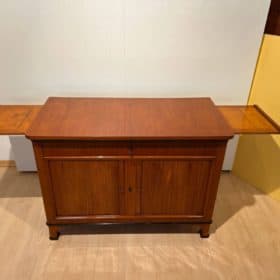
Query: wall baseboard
[[7, 163]]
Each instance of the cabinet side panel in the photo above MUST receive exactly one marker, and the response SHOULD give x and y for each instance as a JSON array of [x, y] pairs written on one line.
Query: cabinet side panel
[[214, 179], [45, 183]]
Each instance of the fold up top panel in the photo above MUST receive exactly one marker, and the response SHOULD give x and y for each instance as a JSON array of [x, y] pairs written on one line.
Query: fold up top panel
[[249, 119], [15, 119]]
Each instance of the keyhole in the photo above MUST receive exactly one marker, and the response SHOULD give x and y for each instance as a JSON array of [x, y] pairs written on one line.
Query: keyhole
[[130, 189]]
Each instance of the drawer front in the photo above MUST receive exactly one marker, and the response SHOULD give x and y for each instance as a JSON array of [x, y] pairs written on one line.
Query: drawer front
[[176, 148], [85, 148], [133, 149]]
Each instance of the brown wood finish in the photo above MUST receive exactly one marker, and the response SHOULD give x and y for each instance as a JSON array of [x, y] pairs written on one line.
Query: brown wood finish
[[166, 187], [129, 119], [46, 184], [273, 19], [87, 187], [131, 160], [134, 160], [174, 186], [15, 119], [121, 175], [249, 119], [132, 191], [54, 232]]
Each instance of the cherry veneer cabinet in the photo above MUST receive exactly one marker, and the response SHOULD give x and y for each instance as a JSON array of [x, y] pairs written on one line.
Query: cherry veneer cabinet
[[132, 160]]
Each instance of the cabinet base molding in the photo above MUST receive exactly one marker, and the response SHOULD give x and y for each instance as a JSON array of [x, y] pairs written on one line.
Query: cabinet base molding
[[55, 229]]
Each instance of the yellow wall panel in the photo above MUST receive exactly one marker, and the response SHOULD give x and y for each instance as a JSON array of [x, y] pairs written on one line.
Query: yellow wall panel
[[258, 156]]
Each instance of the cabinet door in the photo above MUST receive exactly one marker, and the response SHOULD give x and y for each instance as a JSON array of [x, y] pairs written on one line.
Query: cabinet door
[[174, 187], [86, 187]]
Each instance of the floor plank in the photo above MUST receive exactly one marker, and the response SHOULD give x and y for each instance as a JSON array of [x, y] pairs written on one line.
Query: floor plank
[[244, 244]]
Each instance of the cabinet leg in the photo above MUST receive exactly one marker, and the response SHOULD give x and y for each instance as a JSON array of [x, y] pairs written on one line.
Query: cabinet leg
[[204, 230], [53, 232]]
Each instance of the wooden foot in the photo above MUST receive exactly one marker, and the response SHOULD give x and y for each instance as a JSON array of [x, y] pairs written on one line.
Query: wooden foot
[[53, 232], [204, 230]]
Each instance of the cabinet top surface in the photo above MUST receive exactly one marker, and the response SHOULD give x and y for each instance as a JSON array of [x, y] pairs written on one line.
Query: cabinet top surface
[[129, 119]]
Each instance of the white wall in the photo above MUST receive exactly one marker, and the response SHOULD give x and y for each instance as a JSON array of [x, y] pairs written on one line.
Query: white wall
[[6, 152], [129, 48]]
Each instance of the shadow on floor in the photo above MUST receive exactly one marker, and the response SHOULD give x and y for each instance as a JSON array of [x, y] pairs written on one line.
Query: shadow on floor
[[233, 195], [18, 184]]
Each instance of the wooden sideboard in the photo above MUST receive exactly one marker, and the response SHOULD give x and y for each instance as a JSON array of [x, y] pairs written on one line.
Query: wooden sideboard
[[121, 160], [129, 181]]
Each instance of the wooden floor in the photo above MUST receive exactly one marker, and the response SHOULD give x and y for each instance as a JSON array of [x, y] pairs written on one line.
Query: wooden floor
[[244, 244]]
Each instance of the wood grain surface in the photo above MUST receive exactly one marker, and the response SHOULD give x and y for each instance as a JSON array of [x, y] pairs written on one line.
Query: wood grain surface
[[87, 187], [174, 186], [15, 119], [128, 118], [129, 181], [249, 119]]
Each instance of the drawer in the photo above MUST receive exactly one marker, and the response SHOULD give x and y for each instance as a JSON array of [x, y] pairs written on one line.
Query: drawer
[[85, 148], [177, 148]]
